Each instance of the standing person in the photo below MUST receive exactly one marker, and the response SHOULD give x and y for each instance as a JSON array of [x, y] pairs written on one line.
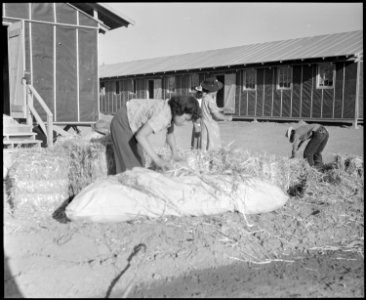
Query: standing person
[[196, 128], [138, 119], [211, 113], [318, 137]]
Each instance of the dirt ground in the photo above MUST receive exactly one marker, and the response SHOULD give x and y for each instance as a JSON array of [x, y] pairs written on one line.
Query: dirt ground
[[196, 256]]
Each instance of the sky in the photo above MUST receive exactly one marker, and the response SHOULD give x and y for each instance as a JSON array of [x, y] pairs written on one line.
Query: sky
[[172, 28]]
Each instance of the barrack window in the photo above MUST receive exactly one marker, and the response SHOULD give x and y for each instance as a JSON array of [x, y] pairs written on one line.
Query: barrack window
[[170, 84], [325, 75], [249, 79], [284, 77], [193, 81]]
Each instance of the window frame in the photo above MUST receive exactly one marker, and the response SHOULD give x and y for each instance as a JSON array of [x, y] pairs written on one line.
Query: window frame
[[245, 71], [168, 90], [332, 66], [194, 80], [290, 69]]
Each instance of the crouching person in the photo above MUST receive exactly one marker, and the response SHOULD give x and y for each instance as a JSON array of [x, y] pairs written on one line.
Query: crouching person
[[318, 137]]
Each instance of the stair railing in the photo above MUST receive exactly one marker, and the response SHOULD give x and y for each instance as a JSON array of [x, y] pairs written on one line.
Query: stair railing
[[49, 131]]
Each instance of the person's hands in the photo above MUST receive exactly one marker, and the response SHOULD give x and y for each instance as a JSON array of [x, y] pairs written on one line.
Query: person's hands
[[163, 164]]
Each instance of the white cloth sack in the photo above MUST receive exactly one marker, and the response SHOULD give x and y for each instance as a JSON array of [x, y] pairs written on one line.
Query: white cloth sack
[[143, 192]]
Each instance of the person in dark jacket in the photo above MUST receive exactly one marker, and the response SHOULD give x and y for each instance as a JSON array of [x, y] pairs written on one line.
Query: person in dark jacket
[[318, 137], [196, 128]]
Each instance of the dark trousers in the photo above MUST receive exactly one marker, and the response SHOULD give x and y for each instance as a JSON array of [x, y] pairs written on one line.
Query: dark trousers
[[316, 145], [128, 152], [196, 136]]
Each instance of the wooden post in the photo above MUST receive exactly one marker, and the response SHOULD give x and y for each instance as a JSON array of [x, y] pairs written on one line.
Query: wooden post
[[28, 101], [358, 60]]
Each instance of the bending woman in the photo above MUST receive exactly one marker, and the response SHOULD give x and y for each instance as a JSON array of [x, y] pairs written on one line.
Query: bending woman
[[138, 119]]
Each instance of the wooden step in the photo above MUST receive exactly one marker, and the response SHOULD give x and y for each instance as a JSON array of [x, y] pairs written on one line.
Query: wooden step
[[22, 142], [19, 134], [17, 129]]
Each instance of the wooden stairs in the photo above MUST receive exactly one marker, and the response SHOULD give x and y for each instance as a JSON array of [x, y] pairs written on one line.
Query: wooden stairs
[[19, 135]]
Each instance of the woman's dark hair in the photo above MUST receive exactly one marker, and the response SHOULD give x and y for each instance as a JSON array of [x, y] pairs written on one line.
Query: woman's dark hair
[[199, 94], [185, 105]]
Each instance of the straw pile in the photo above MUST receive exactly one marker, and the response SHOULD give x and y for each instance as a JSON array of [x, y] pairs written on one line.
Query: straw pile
[[325, 211], [294, 176]]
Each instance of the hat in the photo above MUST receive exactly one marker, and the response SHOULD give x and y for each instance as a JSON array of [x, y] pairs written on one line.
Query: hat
[[212, 84], [289, 133]]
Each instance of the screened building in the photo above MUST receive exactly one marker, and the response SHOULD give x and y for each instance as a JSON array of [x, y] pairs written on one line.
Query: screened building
[[52, 49]]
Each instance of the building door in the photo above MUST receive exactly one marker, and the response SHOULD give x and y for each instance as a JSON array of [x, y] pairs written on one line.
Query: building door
[[220, 93], [151, 89], [16, 60], [229, 92], [6, 96], [157, 89]]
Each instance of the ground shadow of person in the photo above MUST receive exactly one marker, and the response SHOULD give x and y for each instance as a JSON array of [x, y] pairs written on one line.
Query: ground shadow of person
[[11, 289], [59, 214]]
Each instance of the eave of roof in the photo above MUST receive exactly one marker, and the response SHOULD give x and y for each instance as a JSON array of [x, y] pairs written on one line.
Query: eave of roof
[[109, 16]]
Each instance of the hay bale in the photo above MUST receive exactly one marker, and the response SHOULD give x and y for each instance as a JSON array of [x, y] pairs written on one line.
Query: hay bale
[[38, 171], [39, 205], [40, 164], [32, 186], [47, 177], [89, 160]]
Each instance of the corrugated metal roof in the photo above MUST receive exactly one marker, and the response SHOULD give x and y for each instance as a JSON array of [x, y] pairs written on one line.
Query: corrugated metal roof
[[329, 45]]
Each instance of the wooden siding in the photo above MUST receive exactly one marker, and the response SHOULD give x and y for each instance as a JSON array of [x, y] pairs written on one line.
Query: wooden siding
[[327, 110], [338, 98], [260, 93], [244, 104], [277, 99], [296, 91], [17, 10], [317, 96], [286, 103], [268, 91], [66, 74], [66, 79], [350, 90], [251, 103], [239, 76], [42, 62], [360, 102], [56, 13], [307, 87], [66, 14]]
